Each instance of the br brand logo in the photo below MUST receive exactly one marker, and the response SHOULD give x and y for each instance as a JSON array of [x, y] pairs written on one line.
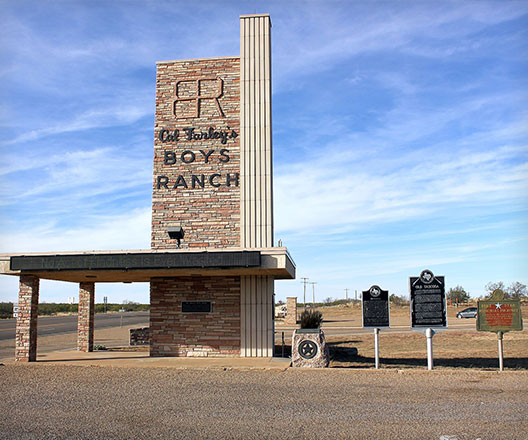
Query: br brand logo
[[195, 97]]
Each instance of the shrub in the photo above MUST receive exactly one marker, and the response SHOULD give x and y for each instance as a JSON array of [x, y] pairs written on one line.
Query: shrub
[[398, 300], [311, 319], [54, 308], [6, 310], [458, 294]]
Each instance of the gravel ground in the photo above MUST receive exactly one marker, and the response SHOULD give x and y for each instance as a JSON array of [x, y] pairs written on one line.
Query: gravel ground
[[73, 402]]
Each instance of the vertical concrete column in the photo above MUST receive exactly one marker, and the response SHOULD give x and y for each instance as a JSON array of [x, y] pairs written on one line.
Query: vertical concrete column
[[291, 311], [85, 326], [26, 323], [257, 326], [256, 191], [256, 173]]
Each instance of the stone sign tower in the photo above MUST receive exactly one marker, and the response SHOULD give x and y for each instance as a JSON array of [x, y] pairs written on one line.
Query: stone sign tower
[[212, 264], [213, 179]]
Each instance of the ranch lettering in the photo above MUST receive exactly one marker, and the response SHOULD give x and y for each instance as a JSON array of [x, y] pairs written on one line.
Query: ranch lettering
[[198, 181]]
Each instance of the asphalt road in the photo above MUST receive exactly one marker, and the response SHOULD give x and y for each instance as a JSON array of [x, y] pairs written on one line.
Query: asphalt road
[[48, 325]]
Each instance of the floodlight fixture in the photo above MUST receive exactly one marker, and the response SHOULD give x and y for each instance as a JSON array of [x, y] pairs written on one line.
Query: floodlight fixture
[[176, 233]]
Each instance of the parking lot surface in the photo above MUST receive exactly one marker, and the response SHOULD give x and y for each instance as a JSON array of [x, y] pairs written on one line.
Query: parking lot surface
[[44, 401]]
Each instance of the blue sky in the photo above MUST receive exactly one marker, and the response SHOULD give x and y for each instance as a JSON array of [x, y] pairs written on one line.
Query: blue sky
[[400, 134]]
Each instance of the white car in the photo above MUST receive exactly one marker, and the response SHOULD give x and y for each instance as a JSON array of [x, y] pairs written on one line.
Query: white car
[[280, 311], [470, 312]]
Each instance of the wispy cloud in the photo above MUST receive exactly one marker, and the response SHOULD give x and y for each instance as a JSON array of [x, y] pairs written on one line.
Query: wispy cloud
[[117, 115], [98, 171], [130, 230], [394, 123], [310, 197], [426, 29]]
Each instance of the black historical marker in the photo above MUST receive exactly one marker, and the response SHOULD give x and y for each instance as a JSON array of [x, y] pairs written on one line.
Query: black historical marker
[[428, 304], [375, 308], [196, 307]]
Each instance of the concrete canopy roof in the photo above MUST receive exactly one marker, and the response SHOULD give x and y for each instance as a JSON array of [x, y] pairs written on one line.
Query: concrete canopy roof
[[142, 265]]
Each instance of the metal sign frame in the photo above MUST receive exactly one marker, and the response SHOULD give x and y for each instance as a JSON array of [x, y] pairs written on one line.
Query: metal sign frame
[[508, 309], [511, 312], [428, 281], [375, 293], [196, 307]]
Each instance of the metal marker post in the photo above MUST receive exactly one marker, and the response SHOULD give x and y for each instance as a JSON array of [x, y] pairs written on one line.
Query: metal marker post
[[429, 333], [376, 346], [501, 353], [428, 307]]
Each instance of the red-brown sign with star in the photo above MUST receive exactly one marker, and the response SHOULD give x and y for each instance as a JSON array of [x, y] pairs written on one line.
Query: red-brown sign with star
[[498, 314]]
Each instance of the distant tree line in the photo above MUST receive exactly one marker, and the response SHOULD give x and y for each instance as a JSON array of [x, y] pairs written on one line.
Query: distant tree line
[[6, 308], [398, 300], [455, 294], [515, 290], [326, 302]]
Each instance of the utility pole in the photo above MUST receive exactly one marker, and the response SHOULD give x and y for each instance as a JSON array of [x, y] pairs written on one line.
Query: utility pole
[[305, 282], [346, 294], [313, 293]]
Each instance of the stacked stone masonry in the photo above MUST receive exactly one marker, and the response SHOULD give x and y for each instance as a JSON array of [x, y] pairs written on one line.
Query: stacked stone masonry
[[139, 336], [86, 319], [26, 324], [291, 311], [196, 181], [173, 333]]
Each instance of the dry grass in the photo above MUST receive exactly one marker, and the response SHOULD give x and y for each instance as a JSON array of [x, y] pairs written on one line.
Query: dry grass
[[351, 311], [452, 349]]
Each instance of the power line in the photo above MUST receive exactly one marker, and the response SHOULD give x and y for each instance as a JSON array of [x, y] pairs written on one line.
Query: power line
[[305, 282], [313, 292]]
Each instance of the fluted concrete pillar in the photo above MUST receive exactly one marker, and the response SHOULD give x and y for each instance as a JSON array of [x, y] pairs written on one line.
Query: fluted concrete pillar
[[256, 217]]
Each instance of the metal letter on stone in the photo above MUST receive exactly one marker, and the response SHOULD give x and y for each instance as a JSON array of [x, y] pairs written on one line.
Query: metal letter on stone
[[198, 97], [307, 349]]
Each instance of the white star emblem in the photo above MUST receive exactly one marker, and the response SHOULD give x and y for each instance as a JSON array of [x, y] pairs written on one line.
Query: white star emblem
[[498, 305]]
